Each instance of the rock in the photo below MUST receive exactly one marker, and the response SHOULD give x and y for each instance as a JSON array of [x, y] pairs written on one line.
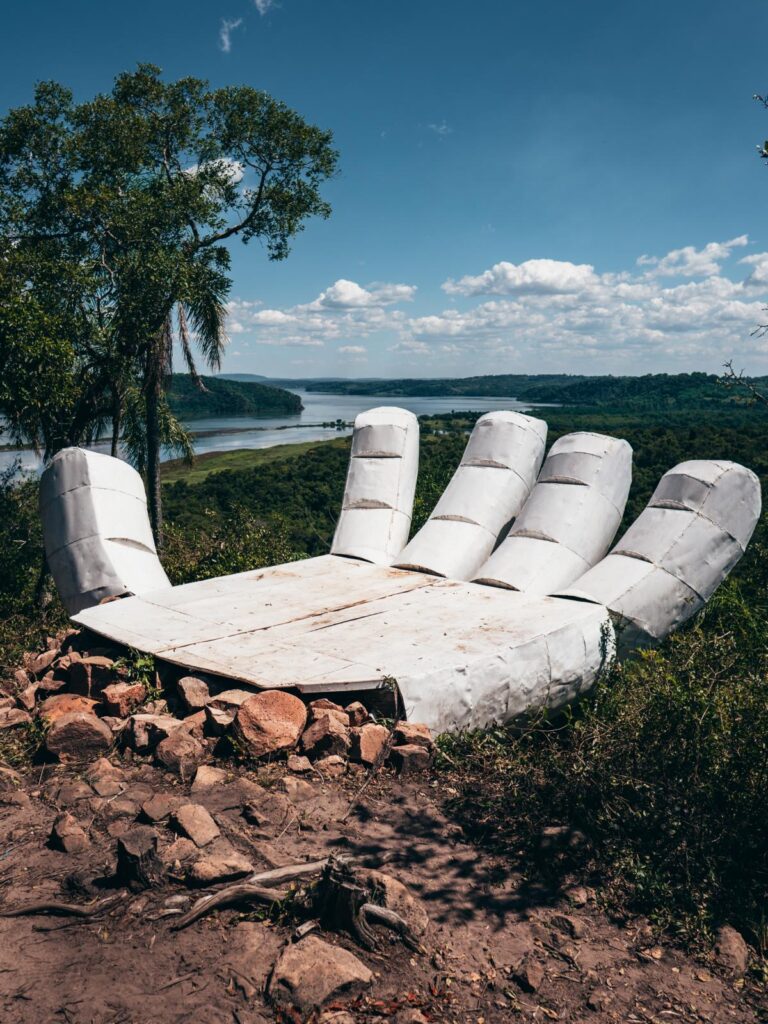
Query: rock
[[107, 786], [332, 766], [392, 894], [218, 721], [65, 704], [208, 776], [222, 864], [578, 895], [411, 1016], [68, 835], [122, 807], [571, 926], [310, 973], [158, 807], [731, 951], [529, 975], [26, 697], [326, 735], [102, 768], [196, 824], [323, 706], [368, 743], [157, 707], [269, 722], [52, 682], [180, 753], [299, 764], [115, 724], [120, 699], [78, 736], [138, 865], [410, 759], [252, 947], [21, 679], [73, 791], [231, 700], [413, 734], [194, 693], [357, 713], [10, 718], [179, 852], [90, 675], [144, 732], [297, 790], [40, 665], [195, 725]]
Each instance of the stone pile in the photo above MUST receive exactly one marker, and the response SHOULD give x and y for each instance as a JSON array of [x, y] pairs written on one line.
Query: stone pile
[[87, 702]]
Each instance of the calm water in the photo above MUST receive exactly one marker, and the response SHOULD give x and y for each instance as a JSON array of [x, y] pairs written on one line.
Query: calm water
[[226, 434]]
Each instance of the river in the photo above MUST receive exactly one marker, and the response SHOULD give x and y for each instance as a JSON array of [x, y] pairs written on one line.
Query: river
[[219, 434]]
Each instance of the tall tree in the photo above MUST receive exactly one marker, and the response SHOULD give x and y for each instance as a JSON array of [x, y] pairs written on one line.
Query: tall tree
[[140, 191]]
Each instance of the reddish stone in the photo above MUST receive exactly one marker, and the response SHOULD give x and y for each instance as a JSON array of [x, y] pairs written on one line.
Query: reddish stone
[[269, 722], [413, 734], [78, 736], [180, 753], [409, 759], [357, 713], [326, 735], [65, 704], [368, 743], [12, 717], [194, 693], [120, 699], [90, 675], [39, 665], [67, 835]]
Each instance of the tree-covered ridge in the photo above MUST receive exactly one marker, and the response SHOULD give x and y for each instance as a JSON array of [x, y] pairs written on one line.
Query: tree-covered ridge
[[651, 391], [228, 398]]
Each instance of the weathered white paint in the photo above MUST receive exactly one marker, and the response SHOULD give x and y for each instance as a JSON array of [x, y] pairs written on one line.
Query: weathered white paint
[[486, 492], [569, 519], [677, 552], [462, 654], [96, 529], [376, 510]]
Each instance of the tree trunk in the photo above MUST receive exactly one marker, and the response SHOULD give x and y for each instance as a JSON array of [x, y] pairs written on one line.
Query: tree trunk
[[154, 496], [117, 422]]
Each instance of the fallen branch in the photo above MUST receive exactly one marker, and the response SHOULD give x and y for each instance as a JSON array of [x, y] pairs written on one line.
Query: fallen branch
[[372, 912], [257, 888], [64, 909]]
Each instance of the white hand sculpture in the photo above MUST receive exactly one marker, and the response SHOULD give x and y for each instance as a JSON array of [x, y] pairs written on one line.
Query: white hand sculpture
[[459, 616]]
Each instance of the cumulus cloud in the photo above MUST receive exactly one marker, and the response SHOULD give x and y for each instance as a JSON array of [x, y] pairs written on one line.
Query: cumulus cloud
[[262, 6], [226, 29], [544, 276], [692, 262], [668, 311]]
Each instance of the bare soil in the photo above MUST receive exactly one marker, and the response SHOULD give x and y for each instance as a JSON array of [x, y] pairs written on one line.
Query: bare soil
[[497, 949]]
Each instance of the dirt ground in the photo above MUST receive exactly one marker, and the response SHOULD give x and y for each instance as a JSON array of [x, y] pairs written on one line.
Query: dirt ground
[[496, 949]]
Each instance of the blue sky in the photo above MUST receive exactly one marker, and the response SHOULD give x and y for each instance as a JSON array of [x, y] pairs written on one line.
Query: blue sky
[[525, 186]]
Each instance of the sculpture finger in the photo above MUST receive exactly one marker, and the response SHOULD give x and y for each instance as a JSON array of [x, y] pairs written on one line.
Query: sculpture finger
[[375, 517], [488, 490], [96, 531], [569, 519], [671, 560]]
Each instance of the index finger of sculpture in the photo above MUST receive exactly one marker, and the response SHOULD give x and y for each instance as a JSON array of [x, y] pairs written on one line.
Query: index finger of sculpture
[[486, 492], [375, 517], [96, 531], [671, 560], [569, 519]]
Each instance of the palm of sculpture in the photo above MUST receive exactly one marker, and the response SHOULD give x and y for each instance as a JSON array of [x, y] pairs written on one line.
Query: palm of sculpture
[[460, 616]]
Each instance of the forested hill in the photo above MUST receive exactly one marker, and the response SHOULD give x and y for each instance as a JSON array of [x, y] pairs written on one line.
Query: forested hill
[[652, 391], [228, 398]]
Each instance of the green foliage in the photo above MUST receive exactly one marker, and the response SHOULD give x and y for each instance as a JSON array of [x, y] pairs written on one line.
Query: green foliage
[[222, 397]]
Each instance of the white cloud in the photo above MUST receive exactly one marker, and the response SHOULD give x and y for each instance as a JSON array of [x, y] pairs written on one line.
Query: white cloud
[[262, 6], [441, 129], [226, 29], [547, 276], [344, 294], [541, 313], [691, 262]]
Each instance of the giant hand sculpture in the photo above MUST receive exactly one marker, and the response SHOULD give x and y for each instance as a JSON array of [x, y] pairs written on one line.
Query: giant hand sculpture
[[476, 621]]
